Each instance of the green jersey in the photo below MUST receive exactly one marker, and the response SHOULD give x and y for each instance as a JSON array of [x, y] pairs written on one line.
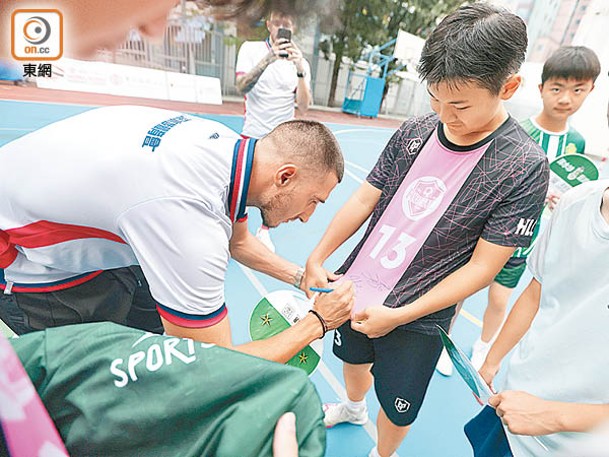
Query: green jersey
[[555, 145], [114, 391]]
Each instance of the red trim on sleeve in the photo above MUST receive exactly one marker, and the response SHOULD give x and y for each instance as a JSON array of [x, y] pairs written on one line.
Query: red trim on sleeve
[[199, 323]]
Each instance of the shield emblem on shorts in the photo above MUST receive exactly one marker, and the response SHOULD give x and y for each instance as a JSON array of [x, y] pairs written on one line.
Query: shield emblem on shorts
[[422, 197], [401, 405]]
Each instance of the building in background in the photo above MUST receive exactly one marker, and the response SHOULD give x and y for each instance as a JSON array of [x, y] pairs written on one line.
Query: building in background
[[554, 23]]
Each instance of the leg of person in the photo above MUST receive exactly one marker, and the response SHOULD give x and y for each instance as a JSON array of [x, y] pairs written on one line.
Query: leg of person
[[143, 313], [499, 294], [445, 365], [107, 297], [355, 350], [403, 367]]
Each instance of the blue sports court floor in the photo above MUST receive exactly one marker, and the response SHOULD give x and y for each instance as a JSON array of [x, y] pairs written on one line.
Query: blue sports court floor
[[438, 431]]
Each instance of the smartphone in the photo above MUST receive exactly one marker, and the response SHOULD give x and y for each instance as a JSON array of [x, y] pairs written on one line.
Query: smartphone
[[286, 34]]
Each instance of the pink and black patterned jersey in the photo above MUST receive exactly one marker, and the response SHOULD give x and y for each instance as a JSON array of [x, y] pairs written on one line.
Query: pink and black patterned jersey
[[500, 202]]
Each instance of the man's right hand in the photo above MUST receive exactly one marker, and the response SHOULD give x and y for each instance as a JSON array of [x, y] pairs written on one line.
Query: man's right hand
[[335, 307], [280, 48]]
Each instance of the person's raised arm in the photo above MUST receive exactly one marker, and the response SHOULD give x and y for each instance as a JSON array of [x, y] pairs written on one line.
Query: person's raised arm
[[246, 81], [517, 324], [303, 89], [344, 224], [331, 311]]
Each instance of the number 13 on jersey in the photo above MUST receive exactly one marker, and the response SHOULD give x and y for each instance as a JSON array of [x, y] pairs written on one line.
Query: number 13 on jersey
[[392, 247]]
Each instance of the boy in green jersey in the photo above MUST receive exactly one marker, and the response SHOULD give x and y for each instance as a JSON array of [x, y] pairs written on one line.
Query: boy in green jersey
[[567, 78]]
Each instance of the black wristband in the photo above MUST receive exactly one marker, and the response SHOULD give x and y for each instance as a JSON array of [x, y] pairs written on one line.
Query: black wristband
[[299, 74], [324, 326]]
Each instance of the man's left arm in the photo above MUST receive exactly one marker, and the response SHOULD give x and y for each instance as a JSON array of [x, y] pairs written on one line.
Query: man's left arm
[[303, 89], [246, 249], [526, 414], [486, 261]]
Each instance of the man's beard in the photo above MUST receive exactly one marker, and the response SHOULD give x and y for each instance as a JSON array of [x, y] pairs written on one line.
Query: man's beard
[[280, 201]]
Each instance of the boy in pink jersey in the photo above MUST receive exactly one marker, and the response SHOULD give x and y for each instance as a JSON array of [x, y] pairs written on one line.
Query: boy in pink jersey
[[437, 234]]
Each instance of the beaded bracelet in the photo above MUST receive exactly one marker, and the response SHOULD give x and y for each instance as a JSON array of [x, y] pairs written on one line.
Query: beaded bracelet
[[324, 326]]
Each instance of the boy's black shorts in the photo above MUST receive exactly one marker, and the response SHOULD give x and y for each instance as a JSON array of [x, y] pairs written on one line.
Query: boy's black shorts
[[403, 364]]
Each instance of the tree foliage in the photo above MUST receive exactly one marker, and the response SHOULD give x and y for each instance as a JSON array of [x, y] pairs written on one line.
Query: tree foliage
[[361, 23]]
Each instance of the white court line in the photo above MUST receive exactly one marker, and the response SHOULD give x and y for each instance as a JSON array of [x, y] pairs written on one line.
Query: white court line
[[354, 176], [323, 368], [16, 129], [370, 129], [356, 166], [470, 317]]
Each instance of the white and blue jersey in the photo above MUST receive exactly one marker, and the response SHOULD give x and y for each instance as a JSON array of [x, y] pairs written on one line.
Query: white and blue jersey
[[125, 185]]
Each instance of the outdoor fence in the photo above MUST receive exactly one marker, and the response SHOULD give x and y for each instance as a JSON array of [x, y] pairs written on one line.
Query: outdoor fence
[[200, 48]]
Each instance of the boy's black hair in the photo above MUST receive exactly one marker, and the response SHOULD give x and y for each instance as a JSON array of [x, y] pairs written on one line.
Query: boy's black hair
[[571, 62], [479, 43]]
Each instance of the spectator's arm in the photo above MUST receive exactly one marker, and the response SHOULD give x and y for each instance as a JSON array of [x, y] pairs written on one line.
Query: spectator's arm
[[526, 414], [517, 324], [246, 82], [303, 95]]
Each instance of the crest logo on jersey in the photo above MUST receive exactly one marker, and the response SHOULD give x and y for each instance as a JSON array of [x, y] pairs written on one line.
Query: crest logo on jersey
[[422, 197], [525, 227], [401, 405], [414, 145]]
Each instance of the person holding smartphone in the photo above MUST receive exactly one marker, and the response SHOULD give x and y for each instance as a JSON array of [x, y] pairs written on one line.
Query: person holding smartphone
[[271, 74]]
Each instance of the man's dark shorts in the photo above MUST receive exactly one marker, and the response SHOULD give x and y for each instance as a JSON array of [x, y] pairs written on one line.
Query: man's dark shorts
[[121, 295], [511, 272], [403, 364]]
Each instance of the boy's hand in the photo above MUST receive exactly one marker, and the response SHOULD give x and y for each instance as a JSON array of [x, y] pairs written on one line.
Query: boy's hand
[[552, 200], [488, 373], [316, 276], [375, 321]]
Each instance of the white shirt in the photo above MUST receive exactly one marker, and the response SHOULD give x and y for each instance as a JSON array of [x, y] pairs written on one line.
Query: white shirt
[[271, 100], [118, 186], [565, 354]]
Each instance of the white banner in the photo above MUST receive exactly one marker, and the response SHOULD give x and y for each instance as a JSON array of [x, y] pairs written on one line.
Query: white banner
[[124, 80]]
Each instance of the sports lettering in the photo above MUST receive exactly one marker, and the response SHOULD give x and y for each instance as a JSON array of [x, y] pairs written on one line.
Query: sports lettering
[[153, 359], [155, 134], [574, 173], [525, 227]]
